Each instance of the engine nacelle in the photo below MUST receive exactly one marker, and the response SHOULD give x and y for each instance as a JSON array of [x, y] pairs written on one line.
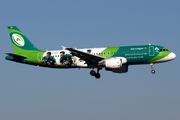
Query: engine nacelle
[[123, 69], [113, 63]]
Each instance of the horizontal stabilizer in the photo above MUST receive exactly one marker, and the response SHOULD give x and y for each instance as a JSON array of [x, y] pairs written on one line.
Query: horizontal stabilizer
[[16, 56]]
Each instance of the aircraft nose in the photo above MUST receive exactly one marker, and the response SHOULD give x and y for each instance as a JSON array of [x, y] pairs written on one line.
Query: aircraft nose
[[172, 56]]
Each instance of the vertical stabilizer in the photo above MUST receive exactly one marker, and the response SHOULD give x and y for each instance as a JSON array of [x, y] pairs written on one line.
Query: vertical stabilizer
[[20, 42]]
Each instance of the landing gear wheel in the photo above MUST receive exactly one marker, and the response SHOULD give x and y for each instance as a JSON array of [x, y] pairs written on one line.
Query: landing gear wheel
[[97, 75], [153, 71], [93, 73]]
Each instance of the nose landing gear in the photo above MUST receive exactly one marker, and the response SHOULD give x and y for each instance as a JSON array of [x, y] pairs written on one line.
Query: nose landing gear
[[93, 73], [152, 71]]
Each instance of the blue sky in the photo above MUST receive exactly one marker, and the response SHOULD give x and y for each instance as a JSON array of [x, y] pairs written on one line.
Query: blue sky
[[29, 92]]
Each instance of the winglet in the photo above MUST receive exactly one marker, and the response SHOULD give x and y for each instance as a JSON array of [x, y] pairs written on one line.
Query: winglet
[[64, 47]]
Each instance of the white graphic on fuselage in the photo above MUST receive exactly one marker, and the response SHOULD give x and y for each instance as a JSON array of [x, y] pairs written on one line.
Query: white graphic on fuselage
[[157, 49]]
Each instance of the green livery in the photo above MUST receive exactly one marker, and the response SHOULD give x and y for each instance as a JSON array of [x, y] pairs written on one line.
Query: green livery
[[136, 54], [115, 59]]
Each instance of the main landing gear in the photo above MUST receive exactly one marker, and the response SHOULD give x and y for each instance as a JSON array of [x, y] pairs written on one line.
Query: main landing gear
[[93, 73], [152, 71]]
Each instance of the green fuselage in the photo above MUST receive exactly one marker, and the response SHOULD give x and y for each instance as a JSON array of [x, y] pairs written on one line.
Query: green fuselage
[[137, 54]]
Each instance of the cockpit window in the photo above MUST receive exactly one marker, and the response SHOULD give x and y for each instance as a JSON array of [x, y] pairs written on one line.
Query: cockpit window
[[164, 50]]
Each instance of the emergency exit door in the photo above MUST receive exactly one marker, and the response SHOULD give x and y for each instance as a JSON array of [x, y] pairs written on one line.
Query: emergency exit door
[[39, 56], [151, 50]]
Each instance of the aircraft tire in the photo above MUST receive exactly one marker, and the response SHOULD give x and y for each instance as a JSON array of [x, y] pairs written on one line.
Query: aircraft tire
[[153, 71], [92, 73], [97, 75]]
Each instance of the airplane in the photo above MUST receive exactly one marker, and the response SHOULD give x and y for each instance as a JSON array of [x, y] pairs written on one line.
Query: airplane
[[115, 59]]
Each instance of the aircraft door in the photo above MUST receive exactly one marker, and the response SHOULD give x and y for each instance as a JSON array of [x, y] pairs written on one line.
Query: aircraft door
[[151, 50], [39, 56]]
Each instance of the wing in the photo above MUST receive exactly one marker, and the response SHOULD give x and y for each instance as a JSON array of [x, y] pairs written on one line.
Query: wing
[[89, 58]]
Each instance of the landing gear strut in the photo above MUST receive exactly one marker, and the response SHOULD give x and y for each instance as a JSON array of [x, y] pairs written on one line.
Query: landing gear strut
[[93, 73], [152, 71]]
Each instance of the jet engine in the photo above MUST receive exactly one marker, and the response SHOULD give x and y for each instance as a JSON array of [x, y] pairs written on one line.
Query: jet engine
[[116, 65], [113, 63]]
